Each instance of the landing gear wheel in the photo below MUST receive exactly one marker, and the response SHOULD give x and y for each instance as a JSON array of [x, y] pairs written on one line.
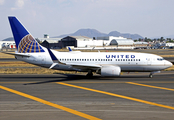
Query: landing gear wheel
[[150, 76], [90, 74]]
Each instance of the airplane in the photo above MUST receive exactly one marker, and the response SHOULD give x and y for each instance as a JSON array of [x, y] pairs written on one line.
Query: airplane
[[109, 64]]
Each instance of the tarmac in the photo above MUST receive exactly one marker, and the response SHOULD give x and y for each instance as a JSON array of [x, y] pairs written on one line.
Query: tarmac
[[131, 96]]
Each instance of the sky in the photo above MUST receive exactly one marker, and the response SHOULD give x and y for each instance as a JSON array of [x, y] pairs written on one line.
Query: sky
[[148, 18]]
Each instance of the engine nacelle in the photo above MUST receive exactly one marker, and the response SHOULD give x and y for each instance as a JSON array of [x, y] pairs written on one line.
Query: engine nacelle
[[110, 71]]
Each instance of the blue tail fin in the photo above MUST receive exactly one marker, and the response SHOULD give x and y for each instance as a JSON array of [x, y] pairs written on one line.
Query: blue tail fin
[[25, 43]]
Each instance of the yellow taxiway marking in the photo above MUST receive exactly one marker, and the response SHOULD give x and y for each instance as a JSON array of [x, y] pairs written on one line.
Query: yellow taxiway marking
[[117, 95], [125, 82], [150, 86], [51, 104]]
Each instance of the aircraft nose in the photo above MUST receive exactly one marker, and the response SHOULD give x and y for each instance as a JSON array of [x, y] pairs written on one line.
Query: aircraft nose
[[167, 63]]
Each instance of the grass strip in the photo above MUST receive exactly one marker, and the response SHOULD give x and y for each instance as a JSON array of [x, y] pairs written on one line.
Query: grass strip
[[33, 71]]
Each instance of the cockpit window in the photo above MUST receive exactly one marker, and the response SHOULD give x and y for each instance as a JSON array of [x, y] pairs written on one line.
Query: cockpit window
[[160, 59]]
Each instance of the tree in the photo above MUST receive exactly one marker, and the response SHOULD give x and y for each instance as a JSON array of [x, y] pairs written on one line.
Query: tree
[[147, 39], [161, 39]]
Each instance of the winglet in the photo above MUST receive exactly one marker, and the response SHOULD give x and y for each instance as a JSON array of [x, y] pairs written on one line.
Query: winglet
[[69, 49]]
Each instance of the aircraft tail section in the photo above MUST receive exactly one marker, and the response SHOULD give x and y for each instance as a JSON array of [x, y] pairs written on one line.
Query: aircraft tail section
[[25, 43]]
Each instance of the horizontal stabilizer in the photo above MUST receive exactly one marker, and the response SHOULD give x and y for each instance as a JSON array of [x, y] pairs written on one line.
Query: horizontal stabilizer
[[17, 54]]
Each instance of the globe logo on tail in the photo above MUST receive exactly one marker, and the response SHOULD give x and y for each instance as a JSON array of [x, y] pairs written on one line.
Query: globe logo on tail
[[29, 45]]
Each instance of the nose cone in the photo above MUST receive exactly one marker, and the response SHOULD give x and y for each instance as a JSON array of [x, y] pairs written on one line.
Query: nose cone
[[168, 64]]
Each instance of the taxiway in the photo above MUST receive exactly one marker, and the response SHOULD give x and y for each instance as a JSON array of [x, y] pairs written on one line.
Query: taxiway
[[132, 96]]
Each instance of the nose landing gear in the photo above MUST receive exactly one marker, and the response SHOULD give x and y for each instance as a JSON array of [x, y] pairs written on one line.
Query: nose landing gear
[[151, 74]]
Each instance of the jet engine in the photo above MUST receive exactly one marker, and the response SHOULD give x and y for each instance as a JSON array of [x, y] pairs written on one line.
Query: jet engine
[[110, 71]]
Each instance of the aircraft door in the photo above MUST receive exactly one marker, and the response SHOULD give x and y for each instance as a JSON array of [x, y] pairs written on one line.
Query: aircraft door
[[148, 61]]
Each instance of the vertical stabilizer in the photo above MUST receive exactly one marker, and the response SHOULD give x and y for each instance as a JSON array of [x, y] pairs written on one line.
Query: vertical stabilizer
[[25, 43]]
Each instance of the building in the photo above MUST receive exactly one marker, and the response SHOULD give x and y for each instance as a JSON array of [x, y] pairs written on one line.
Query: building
[[80, 41], [166, 45], [50, 40], [83, 41], [142, 45], [90, 43], [7, 44], [116, 41], [53, 43]]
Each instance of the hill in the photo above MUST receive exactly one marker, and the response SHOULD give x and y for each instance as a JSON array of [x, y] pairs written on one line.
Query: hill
[[9, 39], [95, 33]]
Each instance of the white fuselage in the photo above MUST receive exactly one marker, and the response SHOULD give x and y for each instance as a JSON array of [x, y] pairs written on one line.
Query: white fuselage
[[127, 61]]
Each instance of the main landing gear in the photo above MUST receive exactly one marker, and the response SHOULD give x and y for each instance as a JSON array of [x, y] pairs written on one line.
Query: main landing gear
[[90, 74]]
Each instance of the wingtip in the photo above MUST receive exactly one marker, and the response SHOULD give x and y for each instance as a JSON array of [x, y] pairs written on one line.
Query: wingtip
[[69, 49]]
